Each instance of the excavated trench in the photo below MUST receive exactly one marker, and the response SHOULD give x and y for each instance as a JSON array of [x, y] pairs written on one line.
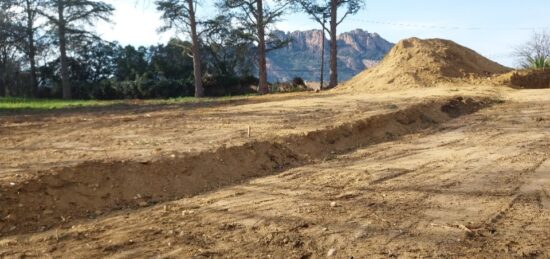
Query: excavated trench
[[61, 196]]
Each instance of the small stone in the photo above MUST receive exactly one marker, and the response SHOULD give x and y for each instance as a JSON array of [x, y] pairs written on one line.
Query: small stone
[[143, 204], [12, 184], [333, 204], [331, 252], [187, 212], [324, 229]]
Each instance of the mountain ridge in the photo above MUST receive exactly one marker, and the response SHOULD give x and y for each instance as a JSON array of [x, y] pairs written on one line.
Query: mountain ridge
[[357, 50]]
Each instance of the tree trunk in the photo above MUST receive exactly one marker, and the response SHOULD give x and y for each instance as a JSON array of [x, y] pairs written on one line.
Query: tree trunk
[[333, 47], [2, 83], [322, 56], [4, 91], [263, 87], [199, 90], [65, 82], [32, 49]]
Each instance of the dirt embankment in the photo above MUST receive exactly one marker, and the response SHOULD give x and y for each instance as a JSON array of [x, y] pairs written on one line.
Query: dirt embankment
[[525, 79], [424, 63], [60, 196]]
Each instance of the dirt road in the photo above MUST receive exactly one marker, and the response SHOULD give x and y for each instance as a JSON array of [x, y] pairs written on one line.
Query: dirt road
[[477, 185]]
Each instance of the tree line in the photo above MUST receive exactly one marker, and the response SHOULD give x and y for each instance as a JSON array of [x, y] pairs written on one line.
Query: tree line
[[49, 48]]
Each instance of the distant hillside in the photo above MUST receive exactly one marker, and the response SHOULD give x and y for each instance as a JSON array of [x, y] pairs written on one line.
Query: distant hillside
[[358, 50]]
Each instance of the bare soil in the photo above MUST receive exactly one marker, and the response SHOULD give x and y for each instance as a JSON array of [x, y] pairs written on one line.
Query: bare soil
[[455, 173]]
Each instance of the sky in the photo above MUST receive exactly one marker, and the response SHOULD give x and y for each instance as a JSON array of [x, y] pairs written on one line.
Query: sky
[[491, 27]]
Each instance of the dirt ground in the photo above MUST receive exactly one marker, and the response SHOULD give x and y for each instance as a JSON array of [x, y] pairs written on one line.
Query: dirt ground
[[32, 142], [434, 172]]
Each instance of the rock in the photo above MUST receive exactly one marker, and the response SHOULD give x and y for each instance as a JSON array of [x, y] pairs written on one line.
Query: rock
[[143, 204], [333, 204], [187, 212], [331, 252]]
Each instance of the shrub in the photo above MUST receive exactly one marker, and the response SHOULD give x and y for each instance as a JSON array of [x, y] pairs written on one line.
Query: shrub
[[298, 81], [228, 85]]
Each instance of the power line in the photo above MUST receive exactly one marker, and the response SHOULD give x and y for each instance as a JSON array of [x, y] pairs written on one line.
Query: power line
[[441, 27]]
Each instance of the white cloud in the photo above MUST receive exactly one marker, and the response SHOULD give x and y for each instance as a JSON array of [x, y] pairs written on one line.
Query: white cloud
[[134, 22]]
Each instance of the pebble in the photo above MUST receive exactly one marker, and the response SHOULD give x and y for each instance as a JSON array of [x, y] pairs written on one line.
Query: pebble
[[12, 184], [187, 212], [143, 204], [331, 252], [333, 204]]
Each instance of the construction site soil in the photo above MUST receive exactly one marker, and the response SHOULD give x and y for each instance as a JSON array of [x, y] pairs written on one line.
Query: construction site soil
[[387, 168]]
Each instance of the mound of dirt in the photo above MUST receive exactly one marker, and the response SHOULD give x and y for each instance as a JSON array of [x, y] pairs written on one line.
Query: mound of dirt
[[422, 63], [527, 79]]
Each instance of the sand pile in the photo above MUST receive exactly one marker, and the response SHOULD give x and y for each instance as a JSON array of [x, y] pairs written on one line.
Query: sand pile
[[423, 63]]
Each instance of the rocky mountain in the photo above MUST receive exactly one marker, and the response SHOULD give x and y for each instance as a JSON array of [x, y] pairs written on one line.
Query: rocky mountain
[[357, 50]]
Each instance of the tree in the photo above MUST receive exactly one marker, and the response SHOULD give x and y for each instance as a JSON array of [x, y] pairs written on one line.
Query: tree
[[320, 11], [229, 49], [130, 62], [170, 61], [181, 15], [8, 43], [98, 59], [30, 42], [255, 16], [69, 18], [535, 53]]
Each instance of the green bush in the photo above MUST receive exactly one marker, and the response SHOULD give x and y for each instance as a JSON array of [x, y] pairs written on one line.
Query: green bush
[[228, 85], [146, 88], [539, 62], [140, 89]]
